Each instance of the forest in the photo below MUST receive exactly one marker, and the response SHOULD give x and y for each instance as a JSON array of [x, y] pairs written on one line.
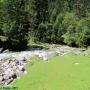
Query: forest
[[48, 21]]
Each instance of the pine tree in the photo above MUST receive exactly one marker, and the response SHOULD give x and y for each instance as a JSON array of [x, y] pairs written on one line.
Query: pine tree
[[16, 24], [40, 9]]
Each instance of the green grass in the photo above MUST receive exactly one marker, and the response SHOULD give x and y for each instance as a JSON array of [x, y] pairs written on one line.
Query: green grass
[[60, 73]]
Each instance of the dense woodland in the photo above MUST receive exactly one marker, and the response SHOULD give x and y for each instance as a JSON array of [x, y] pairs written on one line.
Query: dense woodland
[[47, 21]]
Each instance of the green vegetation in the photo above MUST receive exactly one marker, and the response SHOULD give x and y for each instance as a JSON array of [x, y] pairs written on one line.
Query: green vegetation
[[16, 23], [70, 72], [46, 21]]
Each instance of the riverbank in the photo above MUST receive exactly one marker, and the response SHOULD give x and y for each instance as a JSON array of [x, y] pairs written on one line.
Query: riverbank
[[13, 64]]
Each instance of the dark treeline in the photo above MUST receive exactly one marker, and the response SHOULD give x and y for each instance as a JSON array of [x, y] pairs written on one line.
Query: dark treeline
[[47, 21]]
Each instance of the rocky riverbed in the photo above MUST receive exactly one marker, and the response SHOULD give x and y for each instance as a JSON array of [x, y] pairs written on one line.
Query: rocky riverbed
[[13, 64]]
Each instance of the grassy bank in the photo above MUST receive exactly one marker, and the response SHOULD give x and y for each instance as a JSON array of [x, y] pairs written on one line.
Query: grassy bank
[[70, 72]]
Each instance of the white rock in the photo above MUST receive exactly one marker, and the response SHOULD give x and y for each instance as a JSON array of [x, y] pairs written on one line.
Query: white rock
[[1, 78]]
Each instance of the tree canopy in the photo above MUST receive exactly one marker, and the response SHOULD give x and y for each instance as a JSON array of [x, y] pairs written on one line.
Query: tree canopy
[[48, 21]]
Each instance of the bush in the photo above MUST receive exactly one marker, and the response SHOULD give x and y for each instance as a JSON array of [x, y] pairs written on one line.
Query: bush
[[45, 32], [58, 28], [83, 32], [69, 25], [16, 26]]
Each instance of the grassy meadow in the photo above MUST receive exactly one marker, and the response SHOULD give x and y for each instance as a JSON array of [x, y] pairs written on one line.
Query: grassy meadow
[[70, 72]]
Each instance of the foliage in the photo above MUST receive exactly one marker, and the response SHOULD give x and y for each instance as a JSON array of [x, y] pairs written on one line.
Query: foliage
[[62, 24], [47, 21], [16, 24], [70, 24], [83, 32], [39, 15]]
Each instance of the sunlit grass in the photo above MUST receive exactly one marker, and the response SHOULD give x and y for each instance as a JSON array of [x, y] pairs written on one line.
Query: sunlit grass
[[59, 73]]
